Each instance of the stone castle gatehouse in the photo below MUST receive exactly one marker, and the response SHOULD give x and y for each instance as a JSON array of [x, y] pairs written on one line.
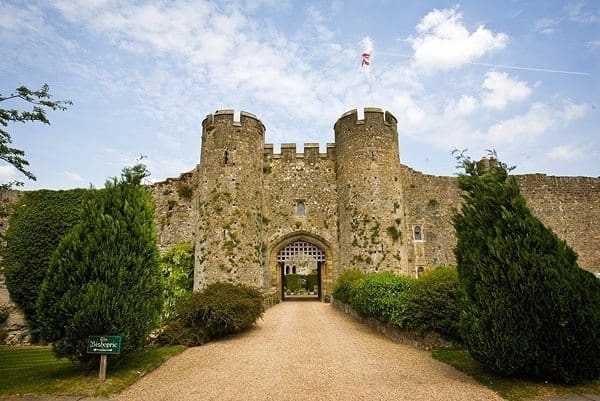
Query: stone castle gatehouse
[[256, 215]]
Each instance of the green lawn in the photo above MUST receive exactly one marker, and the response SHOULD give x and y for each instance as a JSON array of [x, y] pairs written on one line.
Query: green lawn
[[511, 389], [34, 370]]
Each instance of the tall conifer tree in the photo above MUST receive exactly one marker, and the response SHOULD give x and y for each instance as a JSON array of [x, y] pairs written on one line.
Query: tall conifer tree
[[104, 276], [527, 308]]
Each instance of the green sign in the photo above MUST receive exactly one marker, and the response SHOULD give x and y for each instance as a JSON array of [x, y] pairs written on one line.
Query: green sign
[[104, 345]]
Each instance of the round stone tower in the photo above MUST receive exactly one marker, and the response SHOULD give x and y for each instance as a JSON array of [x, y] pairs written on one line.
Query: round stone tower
[[372, 230], [228, 233]]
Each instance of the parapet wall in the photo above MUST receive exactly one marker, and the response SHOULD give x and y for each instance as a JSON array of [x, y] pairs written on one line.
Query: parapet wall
[[229, 115], [311, 152]]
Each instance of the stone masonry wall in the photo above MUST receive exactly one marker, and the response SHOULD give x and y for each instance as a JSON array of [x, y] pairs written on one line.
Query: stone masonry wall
[[15, 329], [370, 200], [174, 209], [307, 177], [229, 243], [570, 206]]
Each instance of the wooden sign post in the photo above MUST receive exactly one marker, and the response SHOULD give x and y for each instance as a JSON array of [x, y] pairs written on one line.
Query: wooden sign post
[[104, 345]]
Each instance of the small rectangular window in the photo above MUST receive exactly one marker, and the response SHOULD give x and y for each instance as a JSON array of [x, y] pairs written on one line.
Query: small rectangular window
[[300, 208]]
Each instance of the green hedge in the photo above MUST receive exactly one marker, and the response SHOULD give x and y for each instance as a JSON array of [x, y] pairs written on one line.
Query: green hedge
[[432, 303], [39, 220], [381, 295], [218, 310], [343, 286]]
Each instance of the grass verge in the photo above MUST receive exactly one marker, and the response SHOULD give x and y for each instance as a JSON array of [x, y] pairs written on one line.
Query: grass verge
[[512, 389], [35, 370]]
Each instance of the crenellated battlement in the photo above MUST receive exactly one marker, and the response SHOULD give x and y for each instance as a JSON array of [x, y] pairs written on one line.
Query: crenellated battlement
[[371, 115], [228, 116], [289, 152]]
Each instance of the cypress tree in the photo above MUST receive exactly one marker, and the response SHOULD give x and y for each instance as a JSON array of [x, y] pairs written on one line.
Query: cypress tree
[[527, 308], [104, 276]]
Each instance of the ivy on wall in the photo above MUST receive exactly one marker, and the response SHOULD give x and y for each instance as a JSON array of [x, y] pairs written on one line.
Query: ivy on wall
[[38, 222]]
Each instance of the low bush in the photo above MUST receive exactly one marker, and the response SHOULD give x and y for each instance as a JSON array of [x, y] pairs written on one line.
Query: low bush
[[342, 289], [380, 295], [432, 303], [218, 310]]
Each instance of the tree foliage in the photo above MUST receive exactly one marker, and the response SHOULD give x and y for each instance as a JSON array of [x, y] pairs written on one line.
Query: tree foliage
[[104, 276], [177, 265], [527, 308], [38, 222], [40, 100]]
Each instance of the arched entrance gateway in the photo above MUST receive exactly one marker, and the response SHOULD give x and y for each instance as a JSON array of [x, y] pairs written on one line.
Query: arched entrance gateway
[[301, 267]]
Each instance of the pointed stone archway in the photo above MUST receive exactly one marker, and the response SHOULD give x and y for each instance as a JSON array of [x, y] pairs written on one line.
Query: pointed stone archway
[[306, 252]]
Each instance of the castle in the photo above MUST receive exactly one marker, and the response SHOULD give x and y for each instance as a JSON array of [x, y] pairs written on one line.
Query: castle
[[256, 215]]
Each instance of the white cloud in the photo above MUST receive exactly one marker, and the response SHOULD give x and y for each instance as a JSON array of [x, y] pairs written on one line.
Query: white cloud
[[500, 89], [407, 110], [537, 121], [443, 42], [74, 177], [577, 13], [8, 173], [573, 111], [593, 45], [565, 153], [546, 26], [463, 107]]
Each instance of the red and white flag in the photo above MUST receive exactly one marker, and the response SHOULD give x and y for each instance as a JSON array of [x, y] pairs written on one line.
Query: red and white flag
[[367, 53], [365, 59]]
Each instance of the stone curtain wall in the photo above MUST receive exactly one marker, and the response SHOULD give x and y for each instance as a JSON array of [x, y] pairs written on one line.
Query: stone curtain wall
[[15, 328], [570, 206], [429, 203], [175, 211]]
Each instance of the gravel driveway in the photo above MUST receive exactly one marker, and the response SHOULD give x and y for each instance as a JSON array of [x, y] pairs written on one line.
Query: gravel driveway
[[306, 351]]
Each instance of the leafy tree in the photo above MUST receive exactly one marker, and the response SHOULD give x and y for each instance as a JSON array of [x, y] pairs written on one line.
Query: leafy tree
[[41, 101], [177, 265], [37, 223], [527, 308], [104, 277]]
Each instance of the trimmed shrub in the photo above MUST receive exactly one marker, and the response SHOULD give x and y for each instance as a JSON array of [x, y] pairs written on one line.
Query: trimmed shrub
[[104, 276], [177, 266], [381, 295], [218, 310], [343, 287], [432, 303], [38, 222], [527, 308]]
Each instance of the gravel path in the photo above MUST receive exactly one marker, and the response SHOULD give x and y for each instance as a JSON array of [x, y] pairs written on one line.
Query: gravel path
[[306, 351]]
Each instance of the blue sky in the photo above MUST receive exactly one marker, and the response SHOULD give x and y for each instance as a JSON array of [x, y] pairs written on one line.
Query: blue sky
[[519, 77]]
